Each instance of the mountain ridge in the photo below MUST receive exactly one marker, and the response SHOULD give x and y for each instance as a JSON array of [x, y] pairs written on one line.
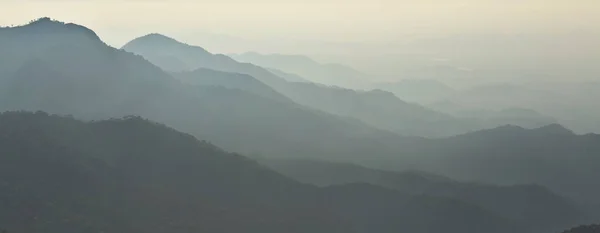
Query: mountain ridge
[[47, 24], [304, 66], [377, 108], [102, 176], [96, 81], [208, 77], [53, 67], [528, 203]]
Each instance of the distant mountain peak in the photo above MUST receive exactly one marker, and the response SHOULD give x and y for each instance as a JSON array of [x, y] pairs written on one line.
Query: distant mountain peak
[[382, 94], [157, 36], [584, 229], [554, 129], [509, 127], [500, 130], [154, 38], [42, 20], [296, 57], [508, 130], [46, 25], [157, 39]]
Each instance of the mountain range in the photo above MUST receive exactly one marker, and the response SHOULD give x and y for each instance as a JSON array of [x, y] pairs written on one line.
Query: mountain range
[[427, 92], [132, 175], [584, 229], [328, 74], [158, 173], [377, 108], [244, 82], [95, 81], [493, 100], [568, 103], [385, 111], [529, 204]]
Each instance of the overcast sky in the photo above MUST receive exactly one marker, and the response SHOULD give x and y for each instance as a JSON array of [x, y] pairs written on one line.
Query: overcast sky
[[326, 20]]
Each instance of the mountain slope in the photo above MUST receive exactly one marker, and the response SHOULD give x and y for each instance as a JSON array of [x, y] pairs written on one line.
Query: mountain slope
[[562, 163], [287, 76], [207, 77], [160, 49], [527, 118], [532, 205], [423, 91], [377, 108], [132, 175], [66, 67], [327, 74], [68, 72], [551, 156], [584, 229], [567, 102]]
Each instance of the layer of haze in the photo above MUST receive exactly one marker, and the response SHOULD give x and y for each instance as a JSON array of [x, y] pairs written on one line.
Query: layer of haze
[[384, 37]]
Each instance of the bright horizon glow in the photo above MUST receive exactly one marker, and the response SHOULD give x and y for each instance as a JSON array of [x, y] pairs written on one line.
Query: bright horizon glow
[[385, 37], [324, 20]]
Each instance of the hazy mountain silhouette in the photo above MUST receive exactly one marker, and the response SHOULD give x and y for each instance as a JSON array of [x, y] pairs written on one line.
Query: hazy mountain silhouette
[[327, 74], [584, 229], [159, 49], [439, 97], [68, 70], [532, 205], [423, 91], [377, 108], [288, 76], [551, 156], [73, 73], [208, 77], [527, 118], [133, 175], [568, 103]]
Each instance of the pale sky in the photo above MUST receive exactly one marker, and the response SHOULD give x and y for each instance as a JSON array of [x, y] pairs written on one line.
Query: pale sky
[[326, 20], [387, 37]]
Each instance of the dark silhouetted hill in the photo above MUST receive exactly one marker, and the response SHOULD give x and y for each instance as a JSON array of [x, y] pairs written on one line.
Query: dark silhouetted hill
[[551, 156], [584, 229], [133, 175], [532, 205]]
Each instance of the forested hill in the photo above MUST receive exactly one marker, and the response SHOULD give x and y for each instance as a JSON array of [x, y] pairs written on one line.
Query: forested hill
[[62, 175], [69, 72], [584, 229]]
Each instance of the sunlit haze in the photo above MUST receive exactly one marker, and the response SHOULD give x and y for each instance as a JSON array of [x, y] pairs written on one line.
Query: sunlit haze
[[323, 20], [302, 116]]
